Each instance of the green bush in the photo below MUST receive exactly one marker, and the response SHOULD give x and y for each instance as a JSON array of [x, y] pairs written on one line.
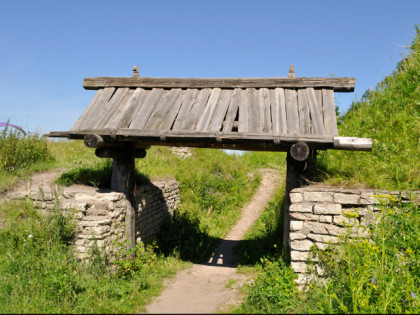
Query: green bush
[[19, 151]]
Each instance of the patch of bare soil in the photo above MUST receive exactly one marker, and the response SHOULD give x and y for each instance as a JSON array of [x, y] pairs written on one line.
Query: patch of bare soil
[[203, 288]]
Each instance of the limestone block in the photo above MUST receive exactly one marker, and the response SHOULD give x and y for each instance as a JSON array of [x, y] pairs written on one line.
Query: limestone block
[[321, 245], [112, 196], [296, 197], [81, 196], [80, 206], [315, 227], [298, 255], [323, 238], [335, 230], [299, 267], [343, 220], [301, 207], [347, 199], [303, 245], [325, 218], [95, 223], [327, 208], [297, 236], [318, 196], [367, 198], [304, 216]]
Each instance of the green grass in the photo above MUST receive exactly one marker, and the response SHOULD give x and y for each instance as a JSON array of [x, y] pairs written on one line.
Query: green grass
[[40, 275]]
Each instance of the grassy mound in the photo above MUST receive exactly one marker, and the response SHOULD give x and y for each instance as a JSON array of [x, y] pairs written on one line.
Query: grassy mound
[[390, 116]]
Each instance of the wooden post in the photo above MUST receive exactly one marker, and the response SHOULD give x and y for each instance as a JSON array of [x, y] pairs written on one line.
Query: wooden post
[[124, 180], [294, 171]]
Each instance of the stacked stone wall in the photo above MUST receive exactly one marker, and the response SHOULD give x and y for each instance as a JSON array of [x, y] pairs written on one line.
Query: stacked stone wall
[[99, 214], [319, 215]]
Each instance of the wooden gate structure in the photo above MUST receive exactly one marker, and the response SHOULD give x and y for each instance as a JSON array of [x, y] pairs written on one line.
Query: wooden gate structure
[[288, 114]]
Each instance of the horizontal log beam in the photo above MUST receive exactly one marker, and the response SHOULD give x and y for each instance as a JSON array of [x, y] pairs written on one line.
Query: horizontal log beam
[[352, 144], [231, 140], [343, 84]]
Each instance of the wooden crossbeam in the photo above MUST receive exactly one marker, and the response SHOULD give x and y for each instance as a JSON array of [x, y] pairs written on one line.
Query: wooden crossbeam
[[344, 84]]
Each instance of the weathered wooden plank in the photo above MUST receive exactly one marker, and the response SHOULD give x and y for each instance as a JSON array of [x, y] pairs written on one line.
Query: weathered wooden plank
[[318, 94], [338, 84], [119, 111], [243, 112], [168, 119], [292, 111], [84, 120], [278, 110], [210, 107], [253, 110], [76, 125], [315, 113], [146, 109], [165, 103], [132, 107], [109, 108], [232, 110], [304, 122], [221, 110], [197, 109], [264, 109], [185, 109], [330, 117]]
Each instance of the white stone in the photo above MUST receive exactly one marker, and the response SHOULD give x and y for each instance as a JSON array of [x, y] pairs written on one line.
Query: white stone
[[303, 216], [348, 199], [315, 227], [343, 220], [318, 196], [322, 238], [304, 245], [325, 218], [299, 267], [327, 208], [296, 197], [296, 225], [300, 207], [298, 255], [297, 236]]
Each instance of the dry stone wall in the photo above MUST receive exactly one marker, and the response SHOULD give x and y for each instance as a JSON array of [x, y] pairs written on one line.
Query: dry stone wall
[[100, 213], [319, 215]]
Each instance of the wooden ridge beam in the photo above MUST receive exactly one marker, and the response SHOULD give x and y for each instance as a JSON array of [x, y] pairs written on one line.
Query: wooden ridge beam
[[344, 84]]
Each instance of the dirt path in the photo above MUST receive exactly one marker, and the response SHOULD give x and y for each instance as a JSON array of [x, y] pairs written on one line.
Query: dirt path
[[202, 288]]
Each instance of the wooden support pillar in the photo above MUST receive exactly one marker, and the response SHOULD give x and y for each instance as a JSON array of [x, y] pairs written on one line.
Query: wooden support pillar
[[296, 164], [123, 180]]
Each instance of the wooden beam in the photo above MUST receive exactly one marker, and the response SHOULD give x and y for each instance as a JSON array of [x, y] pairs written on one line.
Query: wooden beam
[[344, 84], [94, 141], [123, 180], [299, 151], [353, 144]]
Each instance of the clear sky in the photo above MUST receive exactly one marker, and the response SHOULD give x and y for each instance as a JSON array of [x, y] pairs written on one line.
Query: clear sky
[[47, 48]]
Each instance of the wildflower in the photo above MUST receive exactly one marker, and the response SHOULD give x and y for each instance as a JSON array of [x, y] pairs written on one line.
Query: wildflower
[[30, 236], [412, 294], [373, 280]]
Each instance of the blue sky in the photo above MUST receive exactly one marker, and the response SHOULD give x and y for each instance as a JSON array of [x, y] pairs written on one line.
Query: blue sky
[[47, 48]]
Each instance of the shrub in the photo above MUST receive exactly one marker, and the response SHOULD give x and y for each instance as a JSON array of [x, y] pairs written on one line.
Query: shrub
[[18, 151]]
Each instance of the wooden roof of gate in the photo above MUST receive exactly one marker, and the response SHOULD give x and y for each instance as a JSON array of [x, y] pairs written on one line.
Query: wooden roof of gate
[[234, 113]]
